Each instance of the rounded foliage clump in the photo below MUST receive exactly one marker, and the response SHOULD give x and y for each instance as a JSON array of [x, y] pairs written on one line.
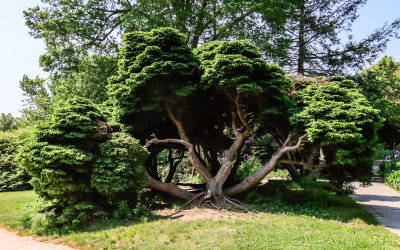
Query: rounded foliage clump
[[78, 163], [119, 170], [339, 118], [155, 68], [60, 153]]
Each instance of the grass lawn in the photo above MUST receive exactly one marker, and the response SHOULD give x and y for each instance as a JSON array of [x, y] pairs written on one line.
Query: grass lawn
[[285, 215], [12, 206], [276, 231]]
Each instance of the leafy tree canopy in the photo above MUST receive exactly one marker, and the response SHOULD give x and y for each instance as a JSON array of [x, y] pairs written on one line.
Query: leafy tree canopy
[[73, 29], [381, 85], [7, 122]]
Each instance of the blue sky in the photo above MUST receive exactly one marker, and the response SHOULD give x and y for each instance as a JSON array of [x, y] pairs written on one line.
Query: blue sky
[[19, 52]]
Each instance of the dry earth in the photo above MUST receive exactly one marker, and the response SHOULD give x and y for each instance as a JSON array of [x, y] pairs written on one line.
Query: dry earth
[[206, 213]]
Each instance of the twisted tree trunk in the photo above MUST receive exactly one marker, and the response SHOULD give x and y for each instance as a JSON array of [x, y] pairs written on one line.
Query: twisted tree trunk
[[214, 184]]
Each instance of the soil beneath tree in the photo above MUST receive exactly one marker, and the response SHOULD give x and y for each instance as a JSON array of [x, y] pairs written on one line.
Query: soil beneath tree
[[206, 214]]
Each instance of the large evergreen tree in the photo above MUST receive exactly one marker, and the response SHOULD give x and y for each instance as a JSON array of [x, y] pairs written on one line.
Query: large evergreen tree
[[158, 90], [316, 29], [342, 124]]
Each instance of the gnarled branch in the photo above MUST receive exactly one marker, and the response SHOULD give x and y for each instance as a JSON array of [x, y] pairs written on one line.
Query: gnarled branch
[[254, 179], [192, 156], [177, 123], [169, 188]]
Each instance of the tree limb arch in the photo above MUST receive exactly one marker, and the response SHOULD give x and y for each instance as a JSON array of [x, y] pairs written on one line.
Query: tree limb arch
[[254, 179], [169, 188]]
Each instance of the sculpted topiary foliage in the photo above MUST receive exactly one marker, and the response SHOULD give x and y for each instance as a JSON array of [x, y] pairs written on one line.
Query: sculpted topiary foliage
[[118, 171], [208, 100], [68, 155], [339, 118], [155, 69]]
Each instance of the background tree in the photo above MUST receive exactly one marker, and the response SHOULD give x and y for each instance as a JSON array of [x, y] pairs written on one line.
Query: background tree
[[315, 31], [74, 29], [77, 163], [380, 84], [37, 101], [7, 122], [89, 81]]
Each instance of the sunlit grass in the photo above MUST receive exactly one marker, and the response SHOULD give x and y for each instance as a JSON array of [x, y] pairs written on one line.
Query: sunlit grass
[[12, 205], [276, 231], [289, 219]]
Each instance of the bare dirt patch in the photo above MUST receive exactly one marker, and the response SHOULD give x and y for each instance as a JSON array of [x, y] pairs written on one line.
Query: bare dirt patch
[[206, 214]]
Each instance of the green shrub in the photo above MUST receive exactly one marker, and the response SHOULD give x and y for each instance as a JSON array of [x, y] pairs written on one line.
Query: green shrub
[[118, 171], [248, 167], [12, 177], [81, 165], [253, 164], [393, 179]]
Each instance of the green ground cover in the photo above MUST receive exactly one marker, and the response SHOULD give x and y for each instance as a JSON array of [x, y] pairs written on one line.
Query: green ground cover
[[13, 206], [295, 215]]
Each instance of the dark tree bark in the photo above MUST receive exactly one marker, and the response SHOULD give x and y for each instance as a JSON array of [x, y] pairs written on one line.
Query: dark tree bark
[[302, 44]]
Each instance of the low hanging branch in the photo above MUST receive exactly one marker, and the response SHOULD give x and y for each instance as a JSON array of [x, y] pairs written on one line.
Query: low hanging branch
[[192, 156], [306, 164], [254, 179], [169, 188]]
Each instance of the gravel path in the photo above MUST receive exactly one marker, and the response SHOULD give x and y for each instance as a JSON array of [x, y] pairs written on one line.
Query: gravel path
[[382, 201], [12, 241]]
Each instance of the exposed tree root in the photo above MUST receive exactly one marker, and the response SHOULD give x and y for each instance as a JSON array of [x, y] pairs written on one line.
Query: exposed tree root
[[235, 202], [218, 202]]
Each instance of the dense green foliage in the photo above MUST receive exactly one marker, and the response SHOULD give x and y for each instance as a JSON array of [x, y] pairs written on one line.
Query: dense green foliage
[[155, 68], [73, 30], [12, 177], [381, 86], [393, 179], [7, 122], [65, 156], [119, 169], [339, 118]]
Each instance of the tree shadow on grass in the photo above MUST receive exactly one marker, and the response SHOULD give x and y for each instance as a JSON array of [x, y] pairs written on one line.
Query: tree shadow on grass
[[320, 200], [148, 216], [307, 198]]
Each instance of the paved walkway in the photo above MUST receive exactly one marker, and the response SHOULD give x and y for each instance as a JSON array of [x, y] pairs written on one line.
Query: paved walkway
[[11, 241], [382, 201]]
